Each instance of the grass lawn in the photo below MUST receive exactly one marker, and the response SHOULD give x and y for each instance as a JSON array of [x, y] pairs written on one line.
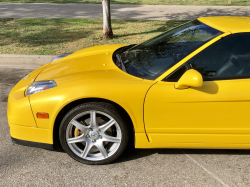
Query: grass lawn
[[55, 36], [144, 2]]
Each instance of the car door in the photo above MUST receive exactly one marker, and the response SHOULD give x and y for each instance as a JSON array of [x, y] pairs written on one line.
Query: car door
[[215, 114]]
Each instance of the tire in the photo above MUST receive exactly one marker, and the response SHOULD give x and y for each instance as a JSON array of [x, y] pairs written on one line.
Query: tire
[[94, 133]]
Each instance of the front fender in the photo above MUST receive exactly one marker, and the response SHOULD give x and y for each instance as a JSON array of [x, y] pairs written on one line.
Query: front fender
[[127, 92]]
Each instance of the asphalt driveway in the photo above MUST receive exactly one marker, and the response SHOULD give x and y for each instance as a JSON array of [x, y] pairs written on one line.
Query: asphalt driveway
[[27, 166], [118, 11]]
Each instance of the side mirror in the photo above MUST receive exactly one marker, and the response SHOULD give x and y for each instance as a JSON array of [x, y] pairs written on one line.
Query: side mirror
[[191, 78]]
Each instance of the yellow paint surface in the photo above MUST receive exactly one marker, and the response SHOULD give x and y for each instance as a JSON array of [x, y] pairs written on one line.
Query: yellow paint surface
[[214, 115]]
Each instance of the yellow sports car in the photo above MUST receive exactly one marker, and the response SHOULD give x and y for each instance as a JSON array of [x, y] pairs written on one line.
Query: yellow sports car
[[186, 88]]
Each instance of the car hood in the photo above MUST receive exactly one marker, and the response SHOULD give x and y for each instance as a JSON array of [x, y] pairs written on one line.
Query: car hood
[[90, 59]]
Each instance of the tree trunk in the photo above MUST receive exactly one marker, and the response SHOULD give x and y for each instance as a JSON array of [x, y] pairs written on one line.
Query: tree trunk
[[229, 1], [107, 29]]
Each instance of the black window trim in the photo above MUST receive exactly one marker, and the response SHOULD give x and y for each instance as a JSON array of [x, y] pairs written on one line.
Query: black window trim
[[165, 79], [227, 78]]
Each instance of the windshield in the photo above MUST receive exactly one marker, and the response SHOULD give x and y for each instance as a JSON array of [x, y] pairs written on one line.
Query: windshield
[[150, 59]]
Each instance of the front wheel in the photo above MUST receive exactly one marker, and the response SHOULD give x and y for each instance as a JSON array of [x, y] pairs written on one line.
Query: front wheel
[[94, 133]]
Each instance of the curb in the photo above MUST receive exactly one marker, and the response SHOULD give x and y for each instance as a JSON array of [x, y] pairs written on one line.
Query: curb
[[24, 60]]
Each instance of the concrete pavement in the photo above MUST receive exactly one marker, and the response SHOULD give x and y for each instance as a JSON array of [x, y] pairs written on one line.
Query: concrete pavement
[[24, 61], [28, 166], [118, 11]]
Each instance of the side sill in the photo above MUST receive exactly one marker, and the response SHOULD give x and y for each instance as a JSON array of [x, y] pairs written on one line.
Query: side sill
[[33, 144]]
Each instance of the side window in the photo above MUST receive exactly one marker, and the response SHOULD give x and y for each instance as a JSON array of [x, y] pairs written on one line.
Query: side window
[[228, 58]]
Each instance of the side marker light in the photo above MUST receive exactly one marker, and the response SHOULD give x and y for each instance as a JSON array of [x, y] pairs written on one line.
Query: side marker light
[[42, 115]]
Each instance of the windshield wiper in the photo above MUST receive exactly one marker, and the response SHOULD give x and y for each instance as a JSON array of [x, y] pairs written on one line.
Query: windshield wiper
[[122, 63]]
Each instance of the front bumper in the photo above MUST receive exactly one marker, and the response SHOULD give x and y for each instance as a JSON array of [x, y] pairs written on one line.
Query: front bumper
[[32, 134], [23, 127], [32, 144]]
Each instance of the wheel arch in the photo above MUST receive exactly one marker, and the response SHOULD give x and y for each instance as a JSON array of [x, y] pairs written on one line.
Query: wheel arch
[[69, 106]]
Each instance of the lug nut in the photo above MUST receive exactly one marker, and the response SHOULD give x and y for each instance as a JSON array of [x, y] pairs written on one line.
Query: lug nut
[[100, 136], [87, 136], [93, 140]]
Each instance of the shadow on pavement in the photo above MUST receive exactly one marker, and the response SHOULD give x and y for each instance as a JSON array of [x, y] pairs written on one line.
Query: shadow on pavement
[[140, 153], [126, 12]]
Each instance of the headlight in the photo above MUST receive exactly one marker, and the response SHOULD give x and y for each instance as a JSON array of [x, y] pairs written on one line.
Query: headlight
[[40, 86]]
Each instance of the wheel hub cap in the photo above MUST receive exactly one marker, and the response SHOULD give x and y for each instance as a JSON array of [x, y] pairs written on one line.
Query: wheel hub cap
[[94, 135]]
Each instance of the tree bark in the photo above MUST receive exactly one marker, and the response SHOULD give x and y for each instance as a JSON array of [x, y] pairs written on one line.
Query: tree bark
[[107, 29], [229, 1]]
